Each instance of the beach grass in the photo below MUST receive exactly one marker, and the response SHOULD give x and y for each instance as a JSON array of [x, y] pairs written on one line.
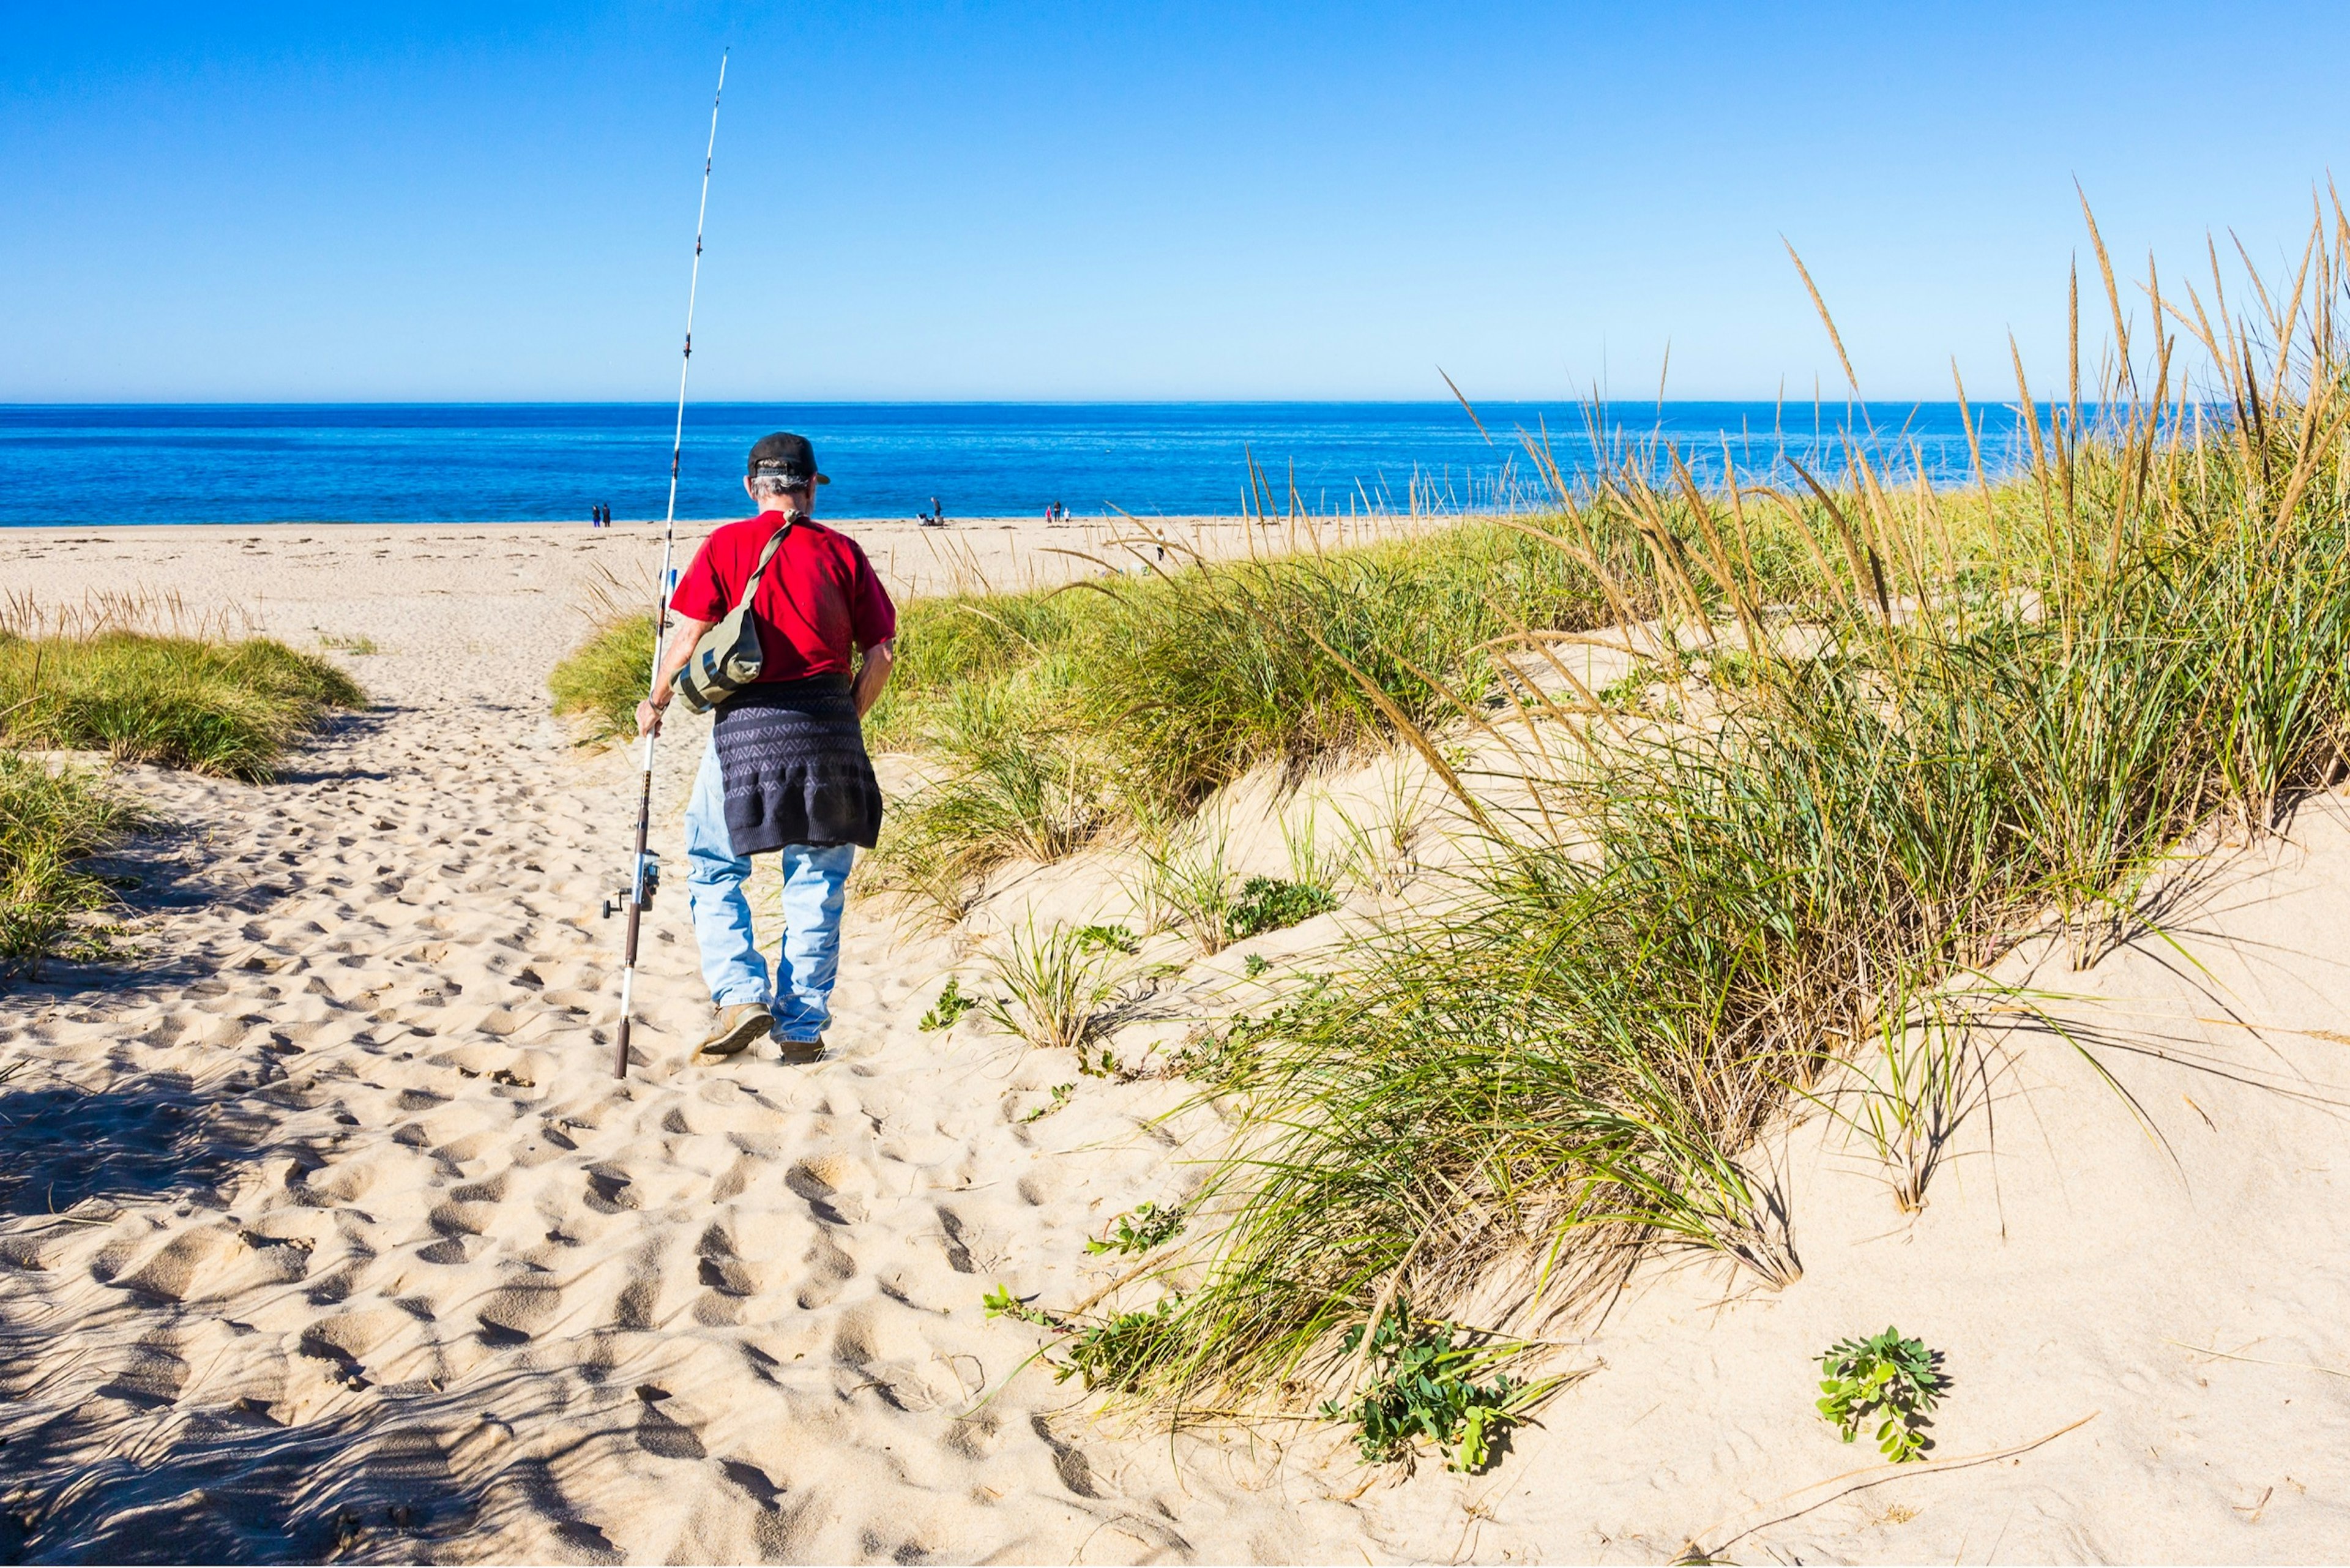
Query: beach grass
[[210, 705], [1045, 718], [1053, 985], [1786, 880], [1117, 705], [50, 820], [602, 679]]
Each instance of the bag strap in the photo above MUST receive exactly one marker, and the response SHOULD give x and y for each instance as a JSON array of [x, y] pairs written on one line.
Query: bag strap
[[775, 543]]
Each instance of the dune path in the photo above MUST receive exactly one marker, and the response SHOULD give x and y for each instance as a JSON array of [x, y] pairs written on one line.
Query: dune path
[[328, 1229]]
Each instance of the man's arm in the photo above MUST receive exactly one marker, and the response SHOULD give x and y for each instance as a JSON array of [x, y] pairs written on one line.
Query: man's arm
[[872, 675], [682, 636]]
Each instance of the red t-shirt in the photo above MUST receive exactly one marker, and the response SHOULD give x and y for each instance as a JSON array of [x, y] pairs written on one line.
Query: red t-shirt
[[817, 601]]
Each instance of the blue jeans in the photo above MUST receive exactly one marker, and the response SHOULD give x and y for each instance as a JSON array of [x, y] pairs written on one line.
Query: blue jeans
[[814, 877]]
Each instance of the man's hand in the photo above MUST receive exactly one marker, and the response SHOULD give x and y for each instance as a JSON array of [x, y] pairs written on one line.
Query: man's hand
[[680, 649], [871, 676]]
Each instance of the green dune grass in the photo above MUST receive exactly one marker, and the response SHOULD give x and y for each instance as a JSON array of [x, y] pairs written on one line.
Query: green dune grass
[[49, 821], [1979, 712], [602, 680], [228, 708]]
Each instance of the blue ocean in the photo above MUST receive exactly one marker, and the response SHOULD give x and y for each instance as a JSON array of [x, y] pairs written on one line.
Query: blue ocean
[[441, 462]]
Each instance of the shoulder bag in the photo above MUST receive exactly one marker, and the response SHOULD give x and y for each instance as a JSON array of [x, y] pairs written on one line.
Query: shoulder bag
[[729, 657]]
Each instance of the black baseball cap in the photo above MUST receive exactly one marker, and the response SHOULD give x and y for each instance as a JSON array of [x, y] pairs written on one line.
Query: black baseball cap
[[785, 456]]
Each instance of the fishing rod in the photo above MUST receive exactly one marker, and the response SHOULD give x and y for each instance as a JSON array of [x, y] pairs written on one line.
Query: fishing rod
[[644, 867]]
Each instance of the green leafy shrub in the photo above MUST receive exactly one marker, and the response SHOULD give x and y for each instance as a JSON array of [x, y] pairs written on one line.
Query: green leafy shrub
[[1113, 1354], [1270, 904], [1427, 1388], [1893, 1380]]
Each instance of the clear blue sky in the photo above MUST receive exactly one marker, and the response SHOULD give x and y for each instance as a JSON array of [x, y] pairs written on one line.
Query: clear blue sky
[[1133, 199]]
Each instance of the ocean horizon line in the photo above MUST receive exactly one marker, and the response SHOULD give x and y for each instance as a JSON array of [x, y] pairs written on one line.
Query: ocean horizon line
[[669, 406], [557, 461]]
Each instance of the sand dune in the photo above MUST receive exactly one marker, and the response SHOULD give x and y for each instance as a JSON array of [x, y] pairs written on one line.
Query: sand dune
[[325, 1229]]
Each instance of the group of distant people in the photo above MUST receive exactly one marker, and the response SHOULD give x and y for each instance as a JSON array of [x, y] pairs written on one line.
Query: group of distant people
[[599, 515], [936, 517]]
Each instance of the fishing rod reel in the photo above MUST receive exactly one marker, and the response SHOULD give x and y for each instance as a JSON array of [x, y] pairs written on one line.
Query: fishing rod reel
[[647, 883]]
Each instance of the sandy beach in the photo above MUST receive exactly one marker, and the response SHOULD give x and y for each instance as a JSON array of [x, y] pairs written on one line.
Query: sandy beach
[[331, 1233]]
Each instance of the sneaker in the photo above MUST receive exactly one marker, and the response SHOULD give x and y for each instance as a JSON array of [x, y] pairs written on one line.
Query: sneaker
[[800, 1052], [736, 1027]]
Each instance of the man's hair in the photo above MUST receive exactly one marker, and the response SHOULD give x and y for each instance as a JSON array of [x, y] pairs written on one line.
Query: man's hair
[[776, 487]]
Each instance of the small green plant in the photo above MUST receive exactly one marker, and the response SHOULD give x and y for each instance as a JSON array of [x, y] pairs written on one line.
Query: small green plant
[[1628, 693], [950, 1005], [1308, 862], [1001, 1302], [1107, 1352], [1884, 1376], [358, 645], [1379, 853], [1271, 904], [1186, 886], [1055, 989], [1427, 1387], [1109, 938], [1256, 965], [1224, 1058], [1147, 1226], [1110, 1355], [1059, 1097]]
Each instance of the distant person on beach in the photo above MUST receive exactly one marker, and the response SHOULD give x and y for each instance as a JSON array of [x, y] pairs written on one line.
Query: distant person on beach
[[785, 772]]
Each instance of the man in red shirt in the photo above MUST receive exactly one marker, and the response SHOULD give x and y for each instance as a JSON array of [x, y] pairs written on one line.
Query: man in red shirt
[[786, 770]]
